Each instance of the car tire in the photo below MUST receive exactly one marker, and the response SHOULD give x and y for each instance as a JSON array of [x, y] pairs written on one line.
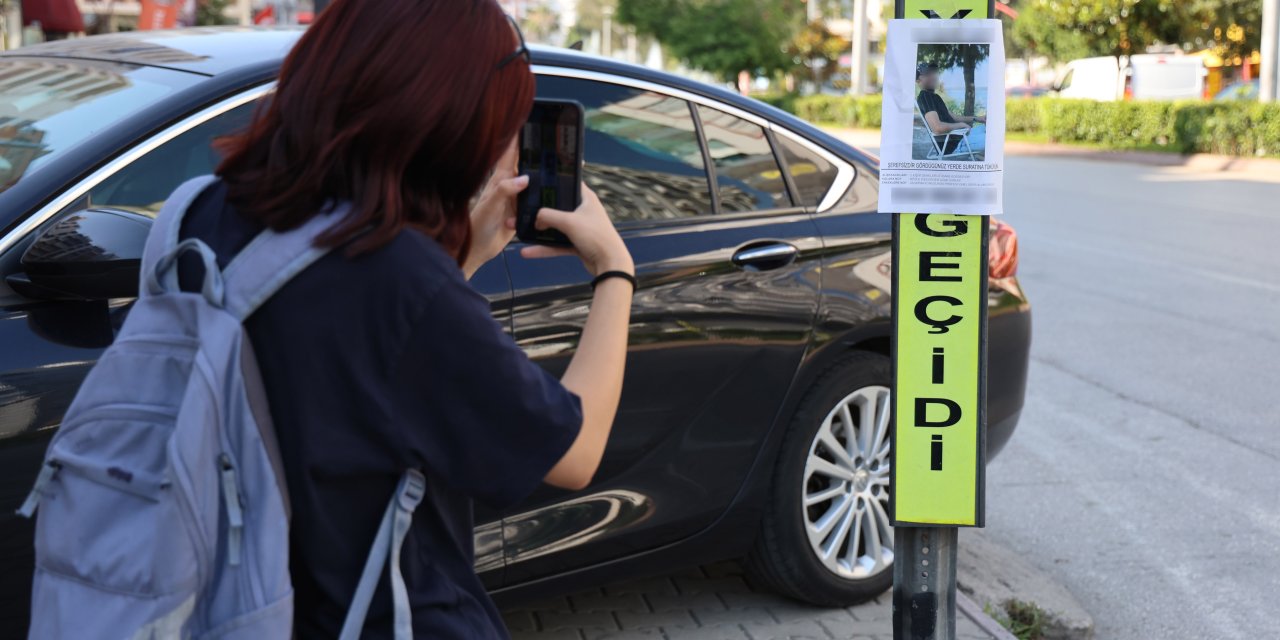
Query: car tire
[[819, 492]]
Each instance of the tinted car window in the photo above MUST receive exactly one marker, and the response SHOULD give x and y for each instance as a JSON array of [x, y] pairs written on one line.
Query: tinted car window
[[812, 174], [50, 106], [643, 157], [147, 182], [746, 170]]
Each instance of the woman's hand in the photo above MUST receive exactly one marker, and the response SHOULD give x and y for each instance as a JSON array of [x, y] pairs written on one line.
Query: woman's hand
[[594, 239], [493, 216]]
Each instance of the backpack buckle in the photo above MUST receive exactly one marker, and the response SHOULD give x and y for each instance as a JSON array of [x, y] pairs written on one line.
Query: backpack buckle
[[47, 472], [235, 516], [413, 485]]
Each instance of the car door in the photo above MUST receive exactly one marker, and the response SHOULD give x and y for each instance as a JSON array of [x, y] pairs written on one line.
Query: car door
[[50, 345], [728, 293]]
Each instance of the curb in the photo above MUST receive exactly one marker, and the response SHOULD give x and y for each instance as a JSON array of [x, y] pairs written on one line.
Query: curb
[[991, 575], [974, 613], [1202, 161], [1207, 162]]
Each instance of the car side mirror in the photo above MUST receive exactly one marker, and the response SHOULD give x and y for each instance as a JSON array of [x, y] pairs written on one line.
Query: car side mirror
[[93, 254]]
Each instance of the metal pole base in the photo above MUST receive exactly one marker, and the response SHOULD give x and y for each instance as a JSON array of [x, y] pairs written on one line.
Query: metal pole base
[[924, 583]]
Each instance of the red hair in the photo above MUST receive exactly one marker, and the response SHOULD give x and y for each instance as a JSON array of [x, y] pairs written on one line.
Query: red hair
[[396, 106]]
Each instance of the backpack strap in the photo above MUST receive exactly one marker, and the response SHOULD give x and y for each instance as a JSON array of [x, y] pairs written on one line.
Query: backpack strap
[[386, 546], [162, 240], [273, 258]]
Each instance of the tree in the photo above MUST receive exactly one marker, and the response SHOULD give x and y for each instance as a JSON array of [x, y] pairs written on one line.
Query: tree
[[1230, 28], [1013, 48], [591, 18], [723, 37], [591, 12], [817, 51], [212, 13], [540, 21], [967, 56], [1066, 29]]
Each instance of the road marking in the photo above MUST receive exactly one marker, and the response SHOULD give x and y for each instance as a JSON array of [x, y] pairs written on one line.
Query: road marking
[[1152, 406], [1166, 264]]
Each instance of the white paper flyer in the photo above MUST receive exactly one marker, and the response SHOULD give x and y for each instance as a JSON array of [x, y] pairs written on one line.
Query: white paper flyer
[[942, 129]]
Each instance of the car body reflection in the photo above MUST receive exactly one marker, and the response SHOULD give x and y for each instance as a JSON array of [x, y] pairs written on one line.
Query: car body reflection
[[572, 523]]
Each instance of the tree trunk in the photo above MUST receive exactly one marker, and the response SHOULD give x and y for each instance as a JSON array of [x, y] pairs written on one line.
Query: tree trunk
[[970, 90]]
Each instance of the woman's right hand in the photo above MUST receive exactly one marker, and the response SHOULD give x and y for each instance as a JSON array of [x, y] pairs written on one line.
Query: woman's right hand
[[594, 239]]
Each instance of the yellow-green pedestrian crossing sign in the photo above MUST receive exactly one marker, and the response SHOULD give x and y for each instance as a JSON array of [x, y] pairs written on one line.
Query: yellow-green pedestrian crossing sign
[[939, 343], [939, 348]]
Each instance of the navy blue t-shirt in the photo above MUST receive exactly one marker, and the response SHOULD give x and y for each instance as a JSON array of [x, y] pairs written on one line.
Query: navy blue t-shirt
[[931, 101], [379, 363]]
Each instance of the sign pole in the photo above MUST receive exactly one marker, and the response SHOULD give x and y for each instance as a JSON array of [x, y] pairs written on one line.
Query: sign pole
[[939, 409], [1269, 73], [924, 583]]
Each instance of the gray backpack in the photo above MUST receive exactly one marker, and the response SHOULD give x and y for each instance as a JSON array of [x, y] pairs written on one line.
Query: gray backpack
[[163, 510]]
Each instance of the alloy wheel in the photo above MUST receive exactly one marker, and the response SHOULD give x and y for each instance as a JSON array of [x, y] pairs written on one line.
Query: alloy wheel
[[845, 488]]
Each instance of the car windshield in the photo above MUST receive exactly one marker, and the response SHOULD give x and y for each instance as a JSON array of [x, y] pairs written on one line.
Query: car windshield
[[48, 106]]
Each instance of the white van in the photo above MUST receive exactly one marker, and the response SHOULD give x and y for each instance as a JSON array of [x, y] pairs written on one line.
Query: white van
[[1148, 76]]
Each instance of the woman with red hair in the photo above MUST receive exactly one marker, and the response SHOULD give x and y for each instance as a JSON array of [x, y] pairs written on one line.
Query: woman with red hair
[[380, 356]]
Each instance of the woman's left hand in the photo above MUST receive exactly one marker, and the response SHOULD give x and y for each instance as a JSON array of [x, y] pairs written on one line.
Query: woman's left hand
[[493, 217]]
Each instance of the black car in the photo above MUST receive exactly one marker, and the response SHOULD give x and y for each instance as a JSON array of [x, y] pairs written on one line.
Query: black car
[[759, 350]]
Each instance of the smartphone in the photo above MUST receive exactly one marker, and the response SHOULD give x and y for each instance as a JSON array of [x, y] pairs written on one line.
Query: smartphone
[[551, 155]]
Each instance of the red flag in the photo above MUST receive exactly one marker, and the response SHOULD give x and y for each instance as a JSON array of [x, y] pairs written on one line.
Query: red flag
[[158, 14]]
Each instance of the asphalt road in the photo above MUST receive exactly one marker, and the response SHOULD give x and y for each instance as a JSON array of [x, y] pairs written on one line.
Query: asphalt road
[[1145, 474]]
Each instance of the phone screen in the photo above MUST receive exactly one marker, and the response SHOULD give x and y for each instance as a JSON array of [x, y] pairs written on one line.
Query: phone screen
[[551, 155]]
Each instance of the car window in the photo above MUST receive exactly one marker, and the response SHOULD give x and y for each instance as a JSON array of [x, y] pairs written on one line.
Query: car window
[[862, 194], [49, 106], [811, 173], [746, 170], [1066, 80], [147, 181], [643, 157]]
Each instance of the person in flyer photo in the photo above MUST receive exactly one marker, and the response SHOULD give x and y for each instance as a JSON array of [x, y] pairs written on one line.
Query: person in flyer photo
[[968, 139]]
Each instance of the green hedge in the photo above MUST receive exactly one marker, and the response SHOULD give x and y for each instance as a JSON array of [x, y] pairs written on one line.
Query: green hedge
[[782, 100], [1022, 116], [845, 111], [1233, 128]]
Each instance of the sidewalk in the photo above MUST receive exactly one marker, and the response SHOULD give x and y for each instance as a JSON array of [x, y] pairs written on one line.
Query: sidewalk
[[708, 603], [1268, 168]]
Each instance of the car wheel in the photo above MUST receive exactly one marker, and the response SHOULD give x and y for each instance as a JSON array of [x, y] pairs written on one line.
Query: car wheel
[[826, 537]]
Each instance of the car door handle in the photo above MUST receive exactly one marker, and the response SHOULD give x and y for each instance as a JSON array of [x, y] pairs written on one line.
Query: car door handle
[[768, 255]]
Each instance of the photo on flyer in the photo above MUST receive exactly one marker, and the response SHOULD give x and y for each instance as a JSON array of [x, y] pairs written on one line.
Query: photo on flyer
[[951, 102], [942, 130]]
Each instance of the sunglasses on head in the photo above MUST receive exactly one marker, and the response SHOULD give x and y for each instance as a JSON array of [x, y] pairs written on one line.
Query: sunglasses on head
[[522, 51]]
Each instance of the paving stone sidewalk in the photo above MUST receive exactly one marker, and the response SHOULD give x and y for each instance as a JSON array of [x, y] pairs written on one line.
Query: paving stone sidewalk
[[707, 603]]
